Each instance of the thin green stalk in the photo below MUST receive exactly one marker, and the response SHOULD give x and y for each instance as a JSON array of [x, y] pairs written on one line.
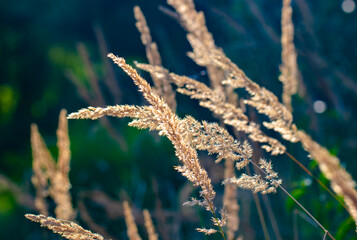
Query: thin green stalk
[[302, 207], [215, 217], [318, 180]]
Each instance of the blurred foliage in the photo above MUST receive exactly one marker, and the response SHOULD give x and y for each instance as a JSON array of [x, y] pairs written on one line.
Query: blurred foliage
[[38, 45]]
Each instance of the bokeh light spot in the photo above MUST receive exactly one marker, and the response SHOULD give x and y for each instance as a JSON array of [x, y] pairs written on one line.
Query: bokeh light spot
[[348, 6], [319, 106]]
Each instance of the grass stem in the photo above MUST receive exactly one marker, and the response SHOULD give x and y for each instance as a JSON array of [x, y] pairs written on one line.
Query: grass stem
[[301, 206]]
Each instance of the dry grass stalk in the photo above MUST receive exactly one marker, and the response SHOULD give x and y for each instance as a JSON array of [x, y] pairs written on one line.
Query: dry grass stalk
[[132, 229], [89, 70], [230, 201], [149, 226], [215, 140], [259, 16], [170, 125], [66, 229], [256, 183], [86, 217], [206, 231], [186, 135], [206, 53], [159, 116], [281, 119], [262, 99], [64, 152], [160, 215], [342, 182], [60, 185], [193, 21], [109, 77], [92, 94], [50, 178], [43, 167], [229, 113], [162, 86], [112, 208], [195, 24], [289, 69], [152, 52]]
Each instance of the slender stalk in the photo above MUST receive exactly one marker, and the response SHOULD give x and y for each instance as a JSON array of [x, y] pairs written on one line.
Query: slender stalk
[[296, 233], [215, 217], [302, 207], [260, 211], [307, 212], [256, 201], [318, 180], [274, 224]]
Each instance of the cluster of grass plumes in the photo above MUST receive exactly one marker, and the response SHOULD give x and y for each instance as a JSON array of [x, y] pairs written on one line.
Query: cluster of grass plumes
[[66, 229], [51, 178], [188, 135]]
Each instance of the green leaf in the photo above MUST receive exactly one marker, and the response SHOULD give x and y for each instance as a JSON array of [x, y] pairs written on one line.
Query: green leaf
[[344, 228]]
